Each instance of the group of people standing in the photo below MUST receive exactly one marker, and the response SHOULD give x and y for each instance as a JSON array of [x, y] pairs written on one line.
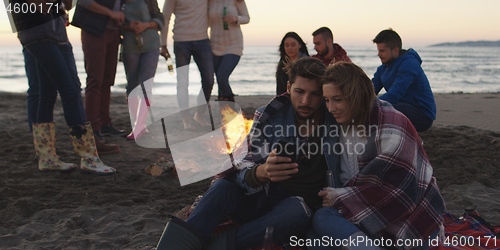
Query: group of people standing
[[105, 24]]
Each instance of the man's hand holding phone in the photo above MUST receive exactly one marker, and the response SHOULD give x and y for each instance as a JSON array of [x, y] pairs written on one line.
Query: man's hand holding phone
[[276, 168]]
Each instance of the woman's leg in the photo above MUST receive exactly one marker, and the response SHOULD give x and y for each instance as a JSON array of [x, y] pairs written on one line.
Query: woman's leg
[[131, 63], [33, 87], [227, 63], [147, 69], [57, 72], [329, 222]]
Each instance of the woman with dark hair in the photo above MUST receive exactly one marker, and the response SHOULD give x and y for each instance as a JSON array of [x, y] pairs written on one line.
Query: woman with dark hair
[[387, 190], [291, 48]]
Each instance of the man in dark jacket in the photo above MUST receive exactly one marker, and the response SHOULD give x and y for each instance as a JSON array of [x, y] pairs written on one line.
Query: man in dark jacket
[[401, 75], [328, 52]]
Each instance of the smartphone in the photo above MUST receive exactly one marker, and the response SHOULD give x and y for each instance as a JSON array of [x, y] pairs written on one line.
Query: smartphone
[[286, 149]]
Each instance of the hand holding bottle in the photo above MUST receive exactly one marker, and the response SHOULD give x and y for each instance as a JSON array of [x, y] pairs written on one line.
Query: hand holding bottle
[[230, 19], [164, 52]]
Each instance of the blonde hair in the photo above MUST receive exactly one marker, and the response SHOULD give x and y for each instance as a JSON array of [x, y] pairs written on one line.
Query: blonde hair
[[356, 88]]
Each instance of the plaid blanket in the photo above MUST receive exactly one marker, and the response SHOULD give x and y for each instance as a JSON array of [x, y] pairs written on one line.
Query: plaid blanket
[[394, 195], [468, 232]]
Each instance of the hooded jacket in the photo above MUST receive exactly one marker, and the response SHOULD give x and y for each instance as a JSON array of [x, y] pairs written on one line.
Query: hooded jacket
[[339, 54], [405, 81]]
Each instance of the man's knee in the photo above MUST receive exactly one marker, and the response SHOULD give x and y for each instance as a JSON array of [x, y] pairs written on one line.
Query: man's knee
[[324, 213], [298, 209], [225, 187]]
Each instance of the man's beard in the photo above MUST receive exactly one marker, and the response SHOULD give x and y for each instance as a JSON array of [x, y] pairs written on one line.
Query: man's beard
[[303, 118], [325, 53]]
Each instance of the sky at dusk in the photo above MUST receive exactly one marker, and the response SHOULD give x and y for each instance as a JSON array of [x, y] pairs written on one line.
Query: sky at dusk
[[354, 23]]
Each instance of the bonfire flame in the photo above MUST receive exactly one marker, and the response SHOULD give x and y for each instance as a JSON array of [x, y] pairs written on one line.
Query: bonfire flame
[[235, 128]]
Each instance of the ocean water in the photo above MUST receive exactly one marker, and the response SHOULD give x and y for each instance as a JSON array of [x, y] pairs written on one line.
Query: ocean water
[[449, 69]]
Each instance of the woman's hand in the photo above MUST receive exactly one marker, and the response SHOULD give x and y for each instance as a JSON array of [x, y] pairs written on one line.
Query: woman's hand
[[276, 168], [230, 19], [139, 27], [329, 196]]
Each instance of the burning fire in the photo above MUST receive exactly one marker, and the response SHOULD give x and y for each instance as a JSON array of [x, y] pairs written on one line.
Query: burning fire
[[235, 128]]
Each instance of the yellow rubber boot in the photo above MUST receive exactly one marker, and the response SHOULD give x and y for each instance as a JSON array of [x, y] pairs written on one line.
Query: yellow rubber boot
[[44, 139], [84, 143]]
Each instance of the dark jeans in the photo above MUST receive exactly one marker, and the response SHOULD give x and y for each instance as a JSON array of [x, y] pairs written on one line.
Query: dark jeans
[[288, 215], [139, 68], [415, 115], [51, 69], [202, 55], [101, 58], [224, 66], [327, 221]]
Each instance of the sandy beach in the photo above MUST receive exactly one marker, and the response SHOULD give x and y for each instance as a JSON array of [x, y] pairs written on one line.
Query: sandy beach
[[129, 210]]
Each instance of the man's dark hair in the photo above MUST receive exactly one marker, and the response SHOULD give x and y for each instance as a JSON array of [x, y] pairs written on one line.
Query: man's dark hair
[[325, 32], [390, 38], [307, 67]]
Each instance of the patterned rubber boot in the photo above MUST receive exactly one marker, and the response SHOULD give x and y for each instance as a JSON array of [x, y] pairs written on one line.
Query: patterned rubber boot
[[44, 139], [84, 143]]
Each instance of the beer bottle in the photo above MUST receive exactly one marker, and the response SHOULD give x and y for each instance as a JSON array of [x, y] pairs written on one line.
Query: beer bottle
[[226, 24]]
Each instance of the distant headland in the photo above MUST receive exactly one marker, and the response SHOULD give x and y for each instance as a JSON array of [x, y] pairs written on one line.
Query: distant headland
[[470, 44]]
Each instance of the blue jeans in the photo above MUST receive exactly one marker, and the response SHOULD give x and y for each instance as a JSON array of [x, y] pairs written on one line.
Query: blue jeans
[[33, 96], [415, 115], [288, 215], [51, 69], [224, 66], [140, 68], [327, 221], [202, 55]]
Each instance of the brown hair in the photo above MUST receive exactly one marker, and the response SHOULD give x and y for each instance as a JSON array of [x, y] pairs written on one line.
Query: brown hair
[[307, 67], [356, 88]]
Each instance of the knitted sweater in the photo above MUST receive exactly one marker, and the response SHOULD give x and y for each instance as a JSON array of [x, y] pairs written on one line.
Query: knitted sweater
[[230, 41], [191, 20]]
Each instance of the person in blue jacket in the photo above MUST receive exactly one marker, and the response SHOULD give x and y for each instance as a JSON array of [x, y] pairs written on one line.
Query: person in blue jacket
[[401, 75]]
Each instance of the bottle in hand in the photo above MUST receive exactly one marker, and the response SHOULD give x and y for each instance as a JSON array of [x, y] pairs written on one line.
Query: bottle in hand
[[226, 24], [170, 66]]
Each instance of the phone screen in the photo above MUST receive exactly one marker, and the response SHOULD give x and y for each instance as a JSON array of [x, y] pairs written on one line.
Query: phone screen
[[286, 149]]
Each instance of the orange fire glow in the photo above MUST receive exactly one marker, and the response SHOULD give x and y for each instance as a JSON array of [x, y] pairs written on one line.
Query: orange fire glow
[[235, 128]]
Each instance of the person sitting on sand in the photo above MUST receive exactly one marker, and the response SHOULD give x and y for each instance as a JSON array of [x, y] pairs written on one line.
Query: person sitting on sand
[[387, 185], [263, 189], [292, 47], [328, 52], [402, 76]]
